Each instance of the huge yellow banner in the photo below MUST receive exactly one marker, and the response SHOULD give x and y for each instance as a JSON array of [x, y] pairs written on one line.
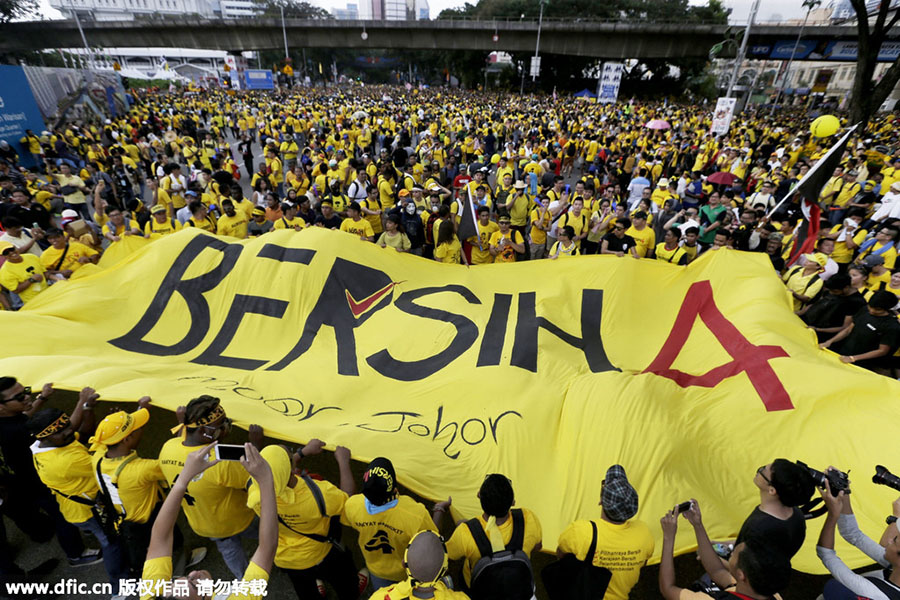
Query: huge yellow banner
[[548, 371]]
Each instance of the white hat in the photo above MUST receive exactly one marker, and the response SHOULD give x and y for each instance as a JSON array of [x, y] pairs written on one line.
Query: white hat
[[68, 215], [896, 186], [663, 182]]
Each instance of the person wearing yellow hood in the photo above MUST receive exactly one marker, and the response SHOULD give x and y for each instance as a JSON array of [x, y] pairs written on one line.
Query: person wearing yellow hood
[[158, 566], [306, 551], [132, 484], [425, 562]]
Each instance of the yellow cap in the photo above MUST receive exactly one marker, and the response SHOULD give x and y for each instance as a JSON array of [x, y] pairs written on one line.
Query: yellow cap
[[818, 258], [117, 426], [4, 246]]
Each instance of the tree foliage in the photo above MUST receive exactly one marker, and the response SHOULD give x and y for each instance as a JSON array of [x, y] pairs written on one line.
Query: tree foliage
[[17, 9], [568, 72], [868, 94], [292, 9]]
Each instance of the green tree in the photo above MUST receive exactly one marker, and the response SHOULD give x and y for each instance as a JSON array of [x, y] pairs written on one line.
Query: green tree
[[568, 72], [17, 9], [867, 93], [292, 10]]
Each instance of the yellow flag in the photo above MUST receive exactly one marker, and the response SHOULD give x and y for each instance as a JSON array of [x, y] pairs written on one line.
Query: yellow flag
[[547, 372]]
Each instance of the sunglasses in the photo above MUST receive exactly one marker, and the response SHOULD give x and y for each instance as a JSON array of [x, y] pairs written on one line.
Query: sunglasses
[[760, 470], [20, 397]]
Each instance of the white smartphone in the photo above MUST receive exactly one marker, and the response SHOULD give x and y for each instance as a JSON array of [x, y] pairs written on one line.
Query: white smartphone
[[228, 451]]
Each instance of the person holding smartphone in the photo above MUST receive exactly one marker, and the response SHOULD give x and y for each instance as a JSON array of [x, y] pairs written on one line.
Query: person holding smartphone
[[216, 504], [158, 565]]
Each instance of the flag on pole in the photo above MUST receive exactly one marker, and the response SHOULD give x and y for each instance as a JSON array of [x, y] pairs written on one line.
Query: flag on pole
[[468, 222], [808, 189]]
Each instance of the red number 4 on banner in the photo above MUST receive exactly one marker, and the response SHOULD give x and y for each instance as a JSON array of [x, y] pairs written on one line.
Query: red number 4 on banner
[[747, 357]]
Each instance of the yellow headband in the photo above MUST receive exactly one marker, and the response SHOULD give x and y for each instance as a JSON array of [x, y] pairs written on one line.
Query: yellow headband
[[214, 415], [55, 427]]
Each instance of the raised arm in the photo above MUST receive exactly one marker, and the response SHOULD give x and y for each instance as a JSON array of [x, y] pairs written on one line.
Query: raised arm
[[268, 512], [161, 536]]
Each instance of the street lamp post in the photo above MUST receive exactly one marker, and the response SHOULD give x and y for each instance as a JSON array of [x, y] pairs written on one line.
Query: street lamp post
[[537, 46], [739, 59], [90, 55], [810, 5], [284, 33]]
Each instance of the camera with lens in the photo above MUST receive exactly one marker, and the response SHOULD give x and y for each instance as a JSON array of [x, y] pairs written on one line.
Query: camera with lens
[[884, 477], [837, 480]]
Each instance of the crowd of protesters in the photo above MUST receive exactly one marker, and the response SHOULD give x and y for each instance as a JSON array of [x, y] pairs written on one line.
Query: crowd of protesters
[[66, 474], [529, 178]]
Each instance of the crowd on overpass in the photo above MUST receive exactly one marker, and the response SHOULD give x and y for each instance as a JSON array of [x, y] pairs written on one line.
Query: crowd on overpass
[[455, 177]]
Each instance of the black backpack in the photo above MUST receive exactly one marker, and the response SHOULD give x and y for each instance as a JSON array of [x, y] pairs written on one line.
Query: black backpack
[[503, 575]]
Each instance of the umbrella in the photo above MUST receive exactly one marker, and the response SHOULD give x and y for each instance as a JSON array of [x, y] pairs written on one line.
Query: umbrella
[[360, 114], [721, 178], [658, 124]]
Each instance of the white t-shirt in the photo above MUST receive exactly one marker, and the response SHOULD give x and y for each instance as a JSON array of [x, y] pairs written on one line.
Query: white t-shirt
[[21, 241]]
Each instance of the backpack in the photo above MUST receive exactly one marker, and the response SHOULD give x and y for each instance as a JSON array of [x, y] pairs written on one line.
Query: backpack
[[401, 184], [503, 575], [429, 229]]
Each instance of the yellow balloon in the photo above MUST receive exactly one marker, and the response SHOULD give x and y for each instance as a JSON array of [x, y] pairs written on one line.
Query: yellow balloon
[[825, 126], [495, 159]]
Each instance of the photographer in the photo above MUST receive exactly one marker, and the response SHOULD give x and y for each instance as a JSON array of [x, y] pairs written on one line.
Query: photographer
[[753, 572], [777, 521], [846, 583]]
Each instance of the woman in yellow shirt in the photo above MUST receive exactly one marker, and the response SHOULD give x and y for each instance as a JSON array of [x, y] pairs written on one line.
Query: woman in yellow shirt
[[447, 248]]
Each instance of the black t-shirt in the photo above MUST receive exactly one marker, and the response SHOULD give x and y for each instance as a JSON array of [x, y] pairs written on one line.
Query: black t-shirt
[[869, 332], [616, 244], [785, 537], [16, 463], [830, 310], [332, 223]]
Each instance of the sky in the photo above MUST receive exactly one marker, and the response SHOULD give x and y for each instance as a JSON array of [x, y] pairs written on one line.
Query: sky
[[768, 10]]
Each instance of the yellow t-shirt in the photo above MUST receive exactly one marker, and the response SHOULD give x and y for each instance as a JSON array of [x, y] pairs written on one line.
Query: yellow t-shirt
[[670, 256], [67, 469], [156, 230], [805, 285], [580, 224], [874, 281], [12, 274], [235, 226], [299, 512], [383, 537], [159, 570], [842, 254], [507, 254], [622, 548], [562, 252], [483, 256], [206, 224], [361, 229], [518, 212], [643, 239], [285, 223], [449, 252], [137, 488], [462, 545], [216, 500], [889, 255], [539, 236], [51, 256], [401, 592]]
